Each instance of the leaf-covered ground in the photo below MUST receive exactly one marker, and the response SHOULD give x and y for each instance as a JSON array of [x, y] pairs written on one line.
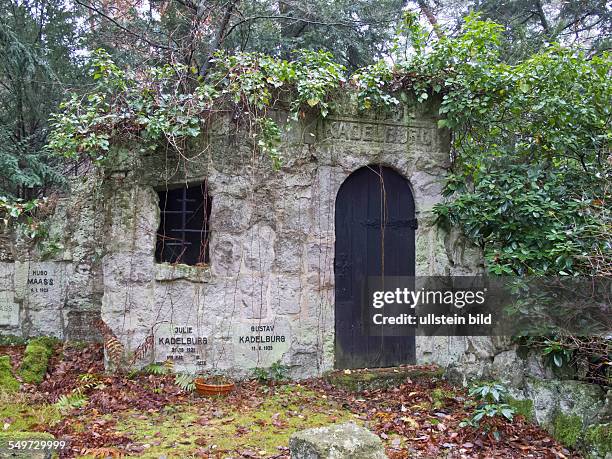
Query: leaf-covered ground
[[149, 416]]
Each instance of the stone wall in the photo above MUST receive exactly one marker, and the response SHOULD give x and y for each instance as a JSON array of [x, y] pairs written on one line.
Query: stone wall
[[54, 287], [271, 246], [577, 413]]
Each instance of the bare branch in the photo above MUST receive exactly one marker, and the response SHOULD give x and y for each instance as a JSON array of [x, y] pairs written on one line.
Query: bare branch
[[220, 34], [426, 10], [120, 26]]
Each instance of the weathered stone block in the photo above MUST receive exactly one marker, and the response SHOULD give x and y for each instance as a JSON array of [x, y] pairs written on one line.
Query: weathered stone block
[[7, 271], [319, 256], [229, 213], [339, 441], [259, 248], [288, 253], [296, 215], [226, 253], [284, 295], [9, 310], [253, 296]]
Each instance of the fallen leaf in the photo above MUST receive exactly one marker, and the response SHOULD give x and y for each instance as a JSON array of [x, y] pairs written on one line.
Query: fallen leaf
[[410, 421]]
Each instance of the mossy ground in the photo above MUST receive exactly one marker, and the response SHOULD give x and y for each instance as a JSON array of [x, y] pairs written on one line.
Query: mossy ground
[[381, 378], [148, 416], [439, 397], [179, 432], [18, 414], [8, 383]]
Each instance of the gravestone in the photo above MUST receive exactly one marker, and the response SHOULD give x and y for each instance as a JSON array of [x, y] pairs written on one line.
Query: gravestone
[[260, 344], [186, 346], [9, 310]]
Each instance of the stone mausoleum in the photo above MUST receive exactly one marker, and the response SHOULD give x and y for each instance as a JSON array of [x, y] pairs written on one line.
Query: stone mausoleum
[[215, 260]]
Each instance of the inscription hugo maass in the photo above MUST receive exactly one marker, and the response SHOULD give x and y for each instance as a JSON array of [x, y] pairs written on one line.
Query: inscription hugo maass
[[40, 280]]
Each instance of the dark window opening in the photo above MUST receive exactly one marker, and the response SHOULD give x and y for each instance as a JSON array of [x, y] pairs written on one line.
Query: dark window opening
[[183, 228]]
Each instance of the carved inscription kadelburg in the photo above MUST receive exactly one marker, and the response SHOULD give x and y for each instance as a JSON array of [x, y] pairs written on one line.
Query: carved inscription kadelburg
[[359, 131]]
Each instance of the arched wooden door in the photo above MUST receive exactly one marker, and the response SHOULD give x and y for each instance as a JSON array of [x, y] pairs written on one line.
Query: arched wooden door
[[375, 225]]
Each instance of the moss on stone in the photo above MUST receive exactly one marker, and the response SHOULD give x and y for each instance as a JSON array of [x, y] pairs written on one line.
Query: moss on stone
[[522, 407], [45, 341], [36, 359], [8, 383], [567, 429], [598, 439], [381, 378]]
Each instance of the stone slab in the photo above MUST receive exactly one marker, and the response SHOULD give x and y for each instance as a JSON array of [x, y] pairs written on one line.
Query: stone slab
[[260, 343], [9, 310], [187, 346], [338, 441]]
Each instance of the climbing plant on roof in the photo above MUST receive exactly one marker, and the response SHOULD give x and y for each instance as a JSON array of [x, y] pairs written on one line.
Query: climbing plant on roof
[[531, 141]]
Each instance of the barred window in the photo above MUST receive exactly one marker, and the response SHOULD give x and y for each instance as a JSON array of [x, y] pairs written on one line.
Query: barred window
[[183, 229]]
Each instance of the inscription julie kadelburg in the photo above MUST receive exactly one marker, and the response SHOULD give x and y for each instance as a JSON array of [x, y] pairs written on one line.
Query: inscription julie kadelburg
[[378, 132]]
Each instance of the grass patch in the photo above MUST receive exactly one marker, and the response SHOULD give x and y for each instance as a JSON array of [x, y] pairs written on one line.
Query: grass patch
[[12, 340], [45, 341], [22, 415], [260, 428], [8, 383]]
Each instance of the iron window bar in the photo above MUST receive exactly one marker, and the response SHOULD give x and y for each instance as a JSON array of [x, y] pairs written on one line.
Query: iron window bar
[[183, 230]]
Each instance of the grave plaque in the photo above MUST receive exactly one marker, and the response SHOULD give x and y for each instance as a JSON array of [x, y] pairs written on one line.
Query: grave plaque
[[40, 287], [9, 310], [41, 280], [260, 344], [184, 345]]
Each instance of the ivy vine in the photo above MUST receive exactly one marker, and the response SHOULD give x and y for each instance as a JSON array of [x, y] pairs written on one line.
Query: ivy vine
[[531, 141]]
